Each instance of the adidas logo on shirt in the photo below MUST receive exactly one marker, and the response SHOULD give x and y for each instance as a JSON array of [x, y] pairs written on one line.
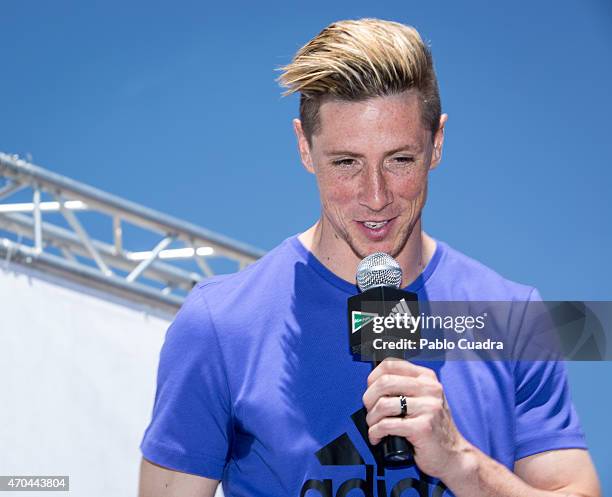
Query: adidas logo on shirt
[[342, 452]]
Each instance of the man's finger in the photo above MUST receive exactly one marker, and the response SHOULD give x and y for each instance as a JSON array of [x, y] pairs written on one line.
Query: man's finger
[[391, 406], [399, 367], [392, 385], [401, 427]]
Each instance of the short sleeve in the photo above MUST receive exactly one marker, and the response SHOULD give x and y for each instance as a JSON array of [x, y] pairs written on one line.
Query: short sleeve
[[545, 417], [190, 429]]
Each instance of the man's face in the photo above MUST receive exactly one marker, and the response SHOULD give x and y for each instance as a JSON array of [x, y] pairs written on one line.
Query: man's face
[[371, 160]]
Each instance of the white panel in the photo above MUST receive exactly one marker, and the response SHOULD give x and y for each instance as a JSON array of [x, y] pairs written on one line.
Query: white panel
[[77, 379]]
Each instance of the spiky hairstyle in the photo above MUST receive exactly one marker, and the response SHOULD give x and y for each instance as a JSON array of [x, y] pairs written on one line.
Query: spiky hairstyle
[[355, 60]]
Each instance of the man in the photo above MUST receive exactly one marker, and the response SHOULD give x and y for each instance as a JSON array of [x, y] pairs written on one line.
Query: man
[[256, 385]]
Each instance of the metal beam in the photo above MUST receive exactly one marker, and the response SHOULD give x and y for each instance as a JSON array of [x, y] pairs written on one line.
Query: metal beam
[[10, 188], [73, 205], [117, 234], [61, 237], [138, 270], [20, 170], [53, 242], [37, 220], [88, 276], [80, 231], [69, 255]]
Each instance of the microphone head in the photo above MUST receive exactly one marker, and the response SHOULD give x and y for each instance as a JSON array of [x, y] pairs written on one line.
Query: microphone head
[[378, 269]]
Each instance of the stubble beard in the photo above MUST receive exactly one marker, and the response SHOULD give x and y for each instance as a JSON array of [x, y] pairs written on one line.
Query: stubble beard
[[341, 231], [403, 236]]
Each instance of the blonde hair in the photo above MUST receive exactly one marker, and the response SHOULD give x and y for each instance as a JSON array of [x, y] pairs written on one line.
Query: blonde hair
[[359, 59]]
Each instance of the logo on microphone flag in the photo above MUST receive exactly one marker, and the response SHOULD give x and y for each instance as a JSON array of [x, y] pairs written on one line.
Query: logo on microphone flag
[[401, 308], [360, 319]]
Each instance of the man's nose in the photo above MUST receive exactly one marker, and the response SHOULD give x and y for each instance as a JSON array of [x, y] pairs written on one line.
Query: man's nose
[[374, 191]]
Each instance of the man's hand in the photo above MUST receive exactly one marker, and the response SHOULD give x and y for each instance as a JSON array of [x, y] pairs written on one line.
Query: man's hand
[[428, 424], [442, 452]]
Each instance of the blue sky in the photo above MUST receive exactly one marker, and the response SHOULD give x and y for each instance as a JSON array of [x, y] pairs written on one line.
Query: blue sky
[[175, 106]]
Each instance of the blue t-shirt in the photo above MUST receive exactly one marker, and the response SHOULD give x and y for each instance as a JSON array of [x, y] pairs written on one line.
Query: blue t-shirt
[[256, 385]]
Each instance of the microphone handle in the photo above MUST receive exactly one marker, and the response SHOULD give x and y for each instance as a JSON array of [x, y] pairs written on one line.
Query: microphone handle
[[396, 449]]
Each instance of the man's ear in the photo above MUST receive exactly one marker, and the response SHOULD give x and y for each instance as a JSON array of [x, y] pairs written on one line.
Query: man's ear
[[438, 142], [303, 146]]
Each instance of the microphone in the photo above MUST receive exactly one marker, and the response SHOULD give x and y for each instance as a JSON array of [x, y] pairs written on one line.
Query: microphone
[[379, 277]]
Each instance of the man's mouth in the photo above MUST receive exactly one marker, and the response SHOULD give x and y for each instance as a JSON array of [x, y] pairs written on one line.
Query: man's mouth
[[373, 225], [376, 229]]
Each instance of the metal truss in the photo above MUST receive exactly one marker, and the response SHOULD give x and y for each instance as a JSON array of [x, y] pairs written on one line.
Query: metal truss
[[151, 276]]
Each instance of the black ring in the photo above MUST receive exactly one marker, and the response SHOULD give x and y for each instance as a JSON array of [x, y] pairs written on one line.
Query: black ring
[[403, 405]]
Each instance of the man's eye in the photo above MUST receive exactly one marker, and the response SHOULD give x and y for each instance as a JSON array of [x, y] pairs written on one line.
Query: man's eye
[[403, 160], [343, 162]]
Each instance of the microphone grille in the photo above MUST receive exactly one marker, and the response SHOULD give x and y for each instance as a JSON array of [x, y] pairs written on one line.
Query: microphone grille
[[378, 269]]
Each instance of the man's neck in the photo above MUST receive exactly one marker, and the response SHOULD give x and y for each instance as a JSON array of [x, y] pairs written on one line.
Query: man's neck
[[338, 257]]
